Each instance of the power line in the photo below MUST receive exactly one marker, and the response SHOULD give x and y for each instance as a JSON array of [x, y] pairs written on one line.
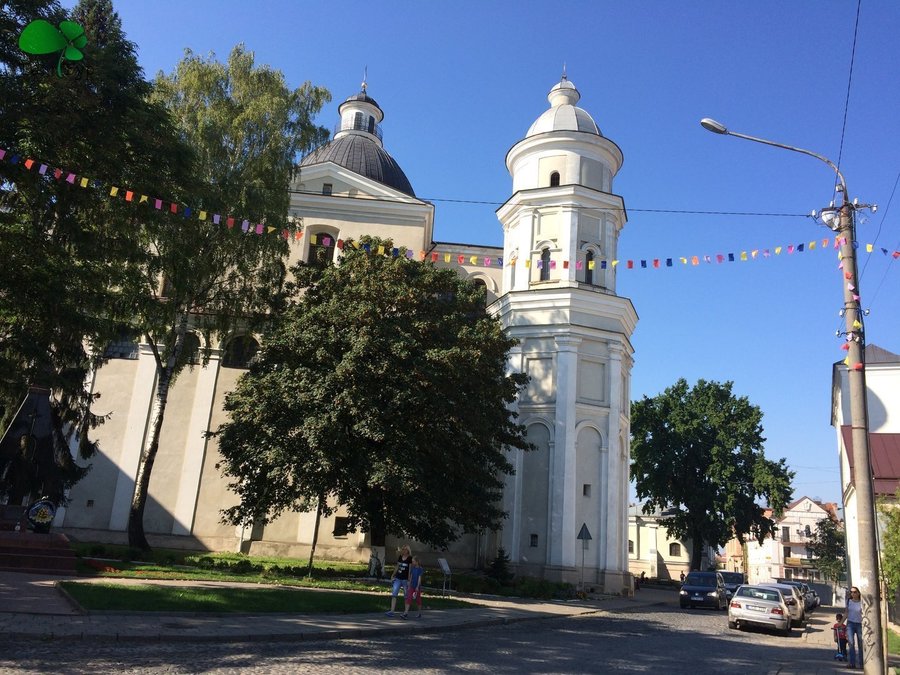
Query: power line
[[849, 83]]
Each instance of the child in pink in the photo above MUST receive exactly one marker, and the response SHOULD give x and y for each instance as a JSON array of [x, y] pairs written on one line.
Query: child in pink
[[840, 638], [416, 573]]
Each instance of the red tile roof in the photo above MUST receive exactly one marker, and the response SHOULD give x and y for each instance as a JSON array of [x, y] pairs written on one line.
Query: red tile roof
[[884, 452]]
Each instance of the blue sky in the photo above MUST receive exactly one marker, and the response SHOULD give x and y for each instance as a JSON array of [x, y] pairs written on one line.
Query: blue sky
[[460, 83]]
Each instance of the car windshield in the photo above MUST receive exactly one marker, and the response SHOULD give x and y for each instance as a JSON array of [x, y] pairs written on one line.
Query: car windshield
[[759, 593], [733, 577], [700, 579]]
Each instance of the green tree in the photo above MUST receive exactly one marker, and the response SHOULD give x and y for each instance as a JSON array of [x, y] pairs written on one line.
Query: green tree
[[67, 248], [828, 548], [247, 129], [698, 451], [890, 542], [383, 387]]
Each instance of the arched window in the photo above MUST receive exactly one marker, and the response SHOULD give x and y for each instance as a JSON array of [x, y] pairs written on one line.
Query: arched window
[[554, 179], [674, 550], [807, 531], [545, 264], [240, 352], [483, 286], [321, 253], [588, 268]]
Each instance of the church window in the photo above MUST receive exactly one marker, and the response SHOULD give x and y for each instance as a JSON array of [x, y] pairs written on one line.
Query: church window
[[807, 531], [630, 546], [125, 346], [674, 550], [534, 541], [240, 352], [341, 527], [327, 188], [322, 252], [586, 490], [554, 179], [588, 272], [190, 350], [371, 128], [358, 121], [545, 264]]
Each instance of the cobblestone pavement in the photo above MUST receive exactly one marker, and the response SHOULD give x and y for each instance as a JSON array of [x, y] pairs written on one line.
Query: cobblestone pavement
[[657, 640]]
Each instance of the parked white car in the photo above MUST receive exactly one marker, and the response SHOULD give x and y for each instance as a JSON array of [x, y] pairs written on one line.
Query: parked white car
[[793, 599], [759, 606]]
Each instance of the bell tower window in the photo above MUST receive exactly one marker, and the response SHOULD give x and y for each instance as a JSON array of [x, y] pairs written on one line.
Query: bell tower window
[[554, 179], [589, 268], [358, 121], [545, 264]]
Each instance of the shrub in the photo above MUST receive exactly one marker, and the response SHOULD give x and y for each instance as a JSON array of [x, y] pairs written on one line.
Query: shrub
[[499, 568]]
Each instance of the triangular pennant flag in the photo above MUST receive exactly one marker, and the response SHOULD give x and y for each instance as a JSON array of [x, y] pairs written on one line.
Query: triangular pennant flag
[[487, 262], [683, 261], [743, 255], [656, 263], [731, 257], [720, 258], [29, 163], [460, 259], [614, 263], [869, 248], [812, 246], [552, 264], [856, 324], [113, 191], [800, 248], [144, 199], [777, 250], [434, 256], [644, 264], [695, 260], [668, 262], [446, 257], [473, 260], [579, 264]]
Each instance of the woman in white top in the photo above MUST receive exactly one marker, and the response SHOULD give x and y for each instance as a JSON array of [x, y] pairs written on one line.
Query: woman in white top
[[854, 627]]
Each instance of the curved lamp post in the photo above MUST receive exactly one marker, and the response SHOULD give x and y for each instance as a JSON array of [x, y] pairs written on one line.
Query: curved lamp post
[[841, 221]]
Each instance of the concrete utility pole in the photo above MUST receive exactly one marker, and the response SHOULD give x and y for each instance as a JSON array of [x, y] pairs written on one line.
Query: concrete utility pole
[[842, 222]]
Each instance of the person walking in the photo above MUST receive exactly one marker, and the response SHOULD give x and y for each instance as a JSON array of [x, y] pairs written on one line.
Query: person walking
[[840, 637], [400, 578], [854, 628], [416, 573]]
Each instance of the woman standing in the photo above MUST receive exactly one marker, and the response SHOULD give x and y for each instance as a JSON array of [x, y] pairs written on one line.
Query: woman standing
[[854, 627], [400, 578]]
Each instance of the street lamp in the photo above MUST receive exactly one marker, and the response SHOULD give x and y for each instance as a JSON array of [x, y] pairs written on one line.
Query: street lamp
[[841, 221]]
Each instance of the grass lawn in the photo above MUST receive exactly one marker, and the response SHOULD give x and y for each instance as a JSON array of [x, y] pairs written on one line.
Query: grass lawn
[[154, 598], [893, 642]]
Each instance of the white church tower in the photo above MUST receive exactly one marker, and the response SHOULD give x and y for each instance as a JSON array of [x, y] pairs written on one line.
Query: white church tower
[[561, 227]]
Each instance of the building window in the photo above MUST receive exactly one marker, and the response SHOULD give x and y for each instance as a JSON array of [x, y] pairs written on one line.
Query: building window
[[674, 550], [371, 129], [125, 346], [327, 188], [545, 264], [90, 503], [586, 490], [786, 552], [190, 350], [588, 268], [240, 352], [341, 527], [358, 121], [554, 179], [785, 534], [534, 541], [807, 531], [321, 252], [630, 546]]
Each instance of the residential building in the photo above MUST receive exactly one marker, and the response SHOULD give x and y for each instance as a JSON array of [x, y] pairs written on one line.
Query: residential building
[[657, 554], [882, 378]]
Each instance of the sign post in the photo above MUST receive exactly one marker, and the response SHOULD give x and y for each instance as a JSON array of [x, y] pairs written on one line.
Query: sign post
[[585, 536]]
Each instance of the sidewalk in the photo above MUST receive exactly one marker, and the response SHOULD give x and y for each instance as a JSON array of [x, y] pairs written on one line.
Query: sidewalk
[[33, 607]]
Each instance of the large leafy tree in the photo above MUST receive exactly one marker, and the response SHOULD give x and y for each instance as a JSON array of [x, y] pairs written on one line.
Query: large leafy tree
[[382, 387], [890, 542], [697, 453], [68, 250], [247, 129], [828, 548]]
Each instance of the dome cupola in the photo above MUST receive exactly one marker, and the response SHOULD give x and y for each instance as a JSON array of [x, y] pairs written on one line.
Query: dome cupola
[[563, 114]]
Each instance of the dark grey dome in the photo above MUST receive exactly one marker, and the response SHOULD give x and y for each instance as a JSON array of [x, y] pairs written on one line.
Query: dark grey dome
[[364, 156], [364, 97]]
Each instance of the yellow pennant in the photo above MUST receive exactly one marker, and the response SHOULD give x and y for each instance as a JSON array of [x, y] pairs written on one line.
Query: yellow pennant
[[777, 250], [203, 215], [84, 182], [114, 191], [473, 260], [743, 255]]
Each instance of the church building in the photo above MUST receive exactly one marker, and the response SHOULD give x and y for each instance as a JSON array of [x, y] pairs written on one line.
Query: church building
[[553, 291]]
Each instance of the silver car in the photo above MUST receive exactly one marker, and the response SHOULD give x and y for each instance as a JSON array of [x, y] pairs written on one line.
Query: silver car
[[793, 599], [759, 606]]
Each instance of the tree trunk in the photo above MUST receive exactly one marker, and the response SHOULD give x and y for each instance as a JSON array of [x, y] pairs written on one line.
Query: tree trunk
[[377, 525], [315, 538], [696, 551], [136, 536]]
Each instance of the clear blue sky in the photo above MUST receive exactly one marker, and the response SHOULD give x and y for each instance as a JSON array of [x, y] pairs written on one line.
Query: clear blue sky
[[461, 82]]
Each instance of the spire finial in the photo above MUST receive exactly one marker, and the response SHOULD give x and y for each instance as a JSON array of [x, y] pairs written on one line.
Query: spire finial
[[365, 77], [564, 72]]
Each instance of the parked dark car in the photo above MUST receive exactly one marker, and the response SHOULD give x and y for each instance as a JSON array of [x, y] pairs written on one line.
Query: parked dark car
[[704, 589], [732, 581]]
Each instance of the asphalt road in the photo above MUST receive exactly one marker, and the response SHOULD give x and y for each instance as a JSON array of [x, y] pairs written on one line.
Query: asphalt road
[[658, 640]]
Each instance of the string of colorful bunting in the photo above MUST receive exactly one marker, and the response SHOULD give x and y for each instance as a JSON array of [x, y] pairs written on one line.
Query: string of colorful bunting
[[247, 226]]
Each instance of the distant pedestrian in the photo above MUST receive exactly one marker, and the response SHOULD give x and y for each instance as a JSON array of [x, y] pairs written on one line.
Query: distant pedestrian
[[416, 573], [854, 627], [400, 578], [682, 577], [840, 637]]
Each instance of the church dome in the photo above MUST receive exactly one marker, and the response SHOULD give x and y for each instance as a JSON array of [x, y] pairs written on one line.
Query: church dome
[[362, 156], [357, 144], [563, 114]]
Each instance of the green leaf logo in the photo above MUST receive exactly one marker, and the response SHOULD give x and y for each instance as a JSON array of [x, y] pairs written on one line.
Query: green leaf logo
[[41, 37]]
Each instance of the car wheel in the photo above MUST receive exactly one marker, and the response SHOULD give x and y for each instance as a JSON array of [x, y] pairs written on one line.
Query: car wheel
[[682, 605], [732, 625], [787, 631]]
